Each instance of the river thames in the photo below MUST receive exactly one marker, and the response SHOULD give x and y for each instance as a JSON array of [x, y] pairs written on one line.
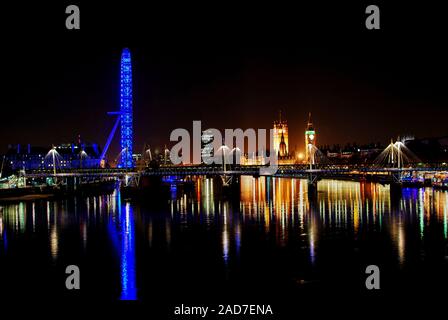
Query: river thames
[[271, 241]]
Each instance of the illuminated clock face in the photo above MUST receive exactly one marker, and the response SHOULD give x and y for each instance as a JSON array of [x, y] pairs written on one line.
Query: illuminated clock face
[[311, 136]]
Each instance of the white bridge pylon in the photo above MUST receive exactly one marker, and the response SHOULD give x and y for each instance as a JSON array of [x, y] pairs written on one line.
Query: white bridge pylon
[[396, 155], [315, 156]]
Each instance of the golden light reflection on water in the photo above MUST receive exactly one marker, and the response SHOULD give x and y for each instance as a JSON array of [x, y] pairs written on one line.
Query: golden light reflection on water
[[341, 205], [54, 235], [287, 210]]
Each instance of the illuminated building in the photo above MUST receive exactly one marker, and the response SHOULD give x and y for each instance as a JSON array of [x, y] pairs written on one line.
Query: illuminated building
[[281, 141], [69, 156], [126, 110], [281, 133], [310, 139], [282, 149], [253, 160], [206, 145]]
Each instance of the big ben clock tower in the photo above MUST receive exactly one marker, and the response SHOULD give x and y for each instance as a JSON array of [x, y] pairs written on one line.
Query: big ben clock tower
[[310, 140]]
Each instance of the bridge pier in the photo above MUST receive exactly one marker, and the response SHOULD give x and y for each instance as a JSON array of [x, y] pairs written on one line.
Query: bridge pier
[[229, 186], [70, 183], [312, 189], [395, 191], [395, 197]]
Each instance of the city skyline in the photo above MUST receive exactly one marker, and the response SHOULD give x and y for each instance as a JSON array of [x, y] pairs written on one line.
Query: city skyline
[[357, 91], [296, 116]]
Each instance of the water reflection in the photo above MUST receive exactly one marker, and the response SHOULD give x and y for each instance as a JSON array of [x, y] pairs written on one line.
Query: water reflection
[[73, 220], [225, 237], [122, 232], [286, 212], [268, 212], [3, 237], [341, 206]]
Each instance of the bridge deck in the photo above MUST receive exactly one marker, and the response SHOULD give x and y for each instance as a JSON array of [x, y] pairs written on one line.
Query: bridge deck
[[283, 170]]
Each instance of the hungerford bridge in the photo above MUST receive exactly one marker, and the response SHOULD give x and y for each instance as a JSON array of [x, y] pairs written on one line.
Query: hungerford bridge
[[303, 171], [395, 165]]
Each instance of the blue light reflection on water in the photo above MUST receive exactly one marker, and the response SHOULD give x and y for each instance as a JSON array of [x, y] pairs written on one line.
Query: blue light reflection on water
[[122, 232], [5, 241], [128, 272]]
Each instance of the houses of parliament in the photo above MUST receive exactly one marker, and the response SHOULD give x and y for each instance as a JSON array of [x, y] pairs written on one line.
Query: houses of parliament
[[281, 142]]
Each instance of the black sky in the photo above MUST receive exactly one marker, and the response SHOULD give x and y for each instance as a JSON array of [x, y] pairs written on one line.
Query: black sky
[[227, 65]]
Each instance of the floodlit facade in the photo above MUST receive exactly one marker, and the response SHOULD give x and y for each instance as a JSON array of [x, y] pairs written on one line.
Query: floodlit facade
[[281, 133]]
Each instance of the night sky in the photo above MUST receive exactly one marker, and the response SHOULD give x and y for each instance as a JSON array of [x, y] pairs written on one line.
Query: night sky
[[226, 65]]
